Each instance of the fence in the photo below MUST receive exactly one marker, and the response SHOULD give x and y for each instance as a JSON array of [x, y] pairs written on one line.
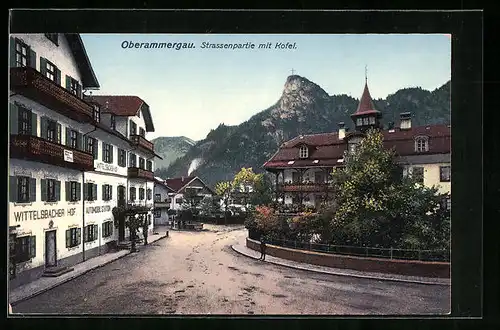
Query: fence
[[365, 251]]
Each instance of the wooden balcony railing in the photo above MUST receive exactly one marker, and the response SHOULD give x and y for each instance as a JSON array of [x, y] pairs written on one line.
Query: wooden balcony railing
[[139, 173], [141, 141], [32, 84], [303, 187], [40, 150]]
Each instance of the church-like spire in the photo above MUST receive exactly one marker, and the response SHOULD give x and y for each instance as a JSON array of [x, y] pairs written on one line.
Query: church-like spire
[[366, 115], [365, 105]]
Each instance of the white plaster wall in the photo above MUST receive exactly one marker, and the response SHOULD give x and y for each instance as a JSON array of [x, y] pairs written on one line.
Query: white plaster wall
[[38, 227], [121, 125], [99, 164], [60, 55], [159, 189]]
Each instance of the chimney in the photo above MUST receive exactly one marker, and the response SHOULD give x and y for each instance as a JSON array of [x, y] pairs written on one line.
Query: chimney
[[341, 130], [405, 118]]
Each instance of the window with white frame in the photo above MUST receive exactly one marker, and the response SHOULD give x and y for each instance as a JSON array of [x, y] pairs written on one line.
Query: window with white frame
[[303, 152], [445, 173], [421, 144]]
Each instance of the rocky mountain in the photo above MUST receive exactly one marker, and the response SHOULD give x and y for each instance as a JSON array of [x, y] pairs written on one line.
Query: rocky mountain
[[303, 108], [171, 148]]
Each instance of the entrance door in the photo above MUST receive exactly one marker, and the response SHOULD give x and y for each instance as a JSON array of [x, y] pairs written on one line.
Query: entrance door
[[50, 249]]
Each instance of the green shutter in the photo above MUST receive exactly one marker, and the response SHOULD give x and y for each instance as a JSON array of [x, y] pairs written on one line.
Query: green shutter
[[103, 192], [95, 151], [103, 153], [79, 236], [68, 238], [14, 118], [58, 190], [32, 246], [94, 187], [96, 231], [59, 129], [68, 82], [78, 191], [58, 76], [110, 192], [111, 154], [34, 124], [43, 66], [12, 52], [32, 197], [32, 59], [44, 189], [79, 141], [43, 127], [67, 190], [13, 188], [85, 191], [102, 229], [68, 136]]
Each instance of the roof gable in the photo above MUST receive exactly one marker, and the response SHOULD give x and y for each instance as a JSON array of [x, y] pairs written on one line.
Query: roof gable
[[89, 79]]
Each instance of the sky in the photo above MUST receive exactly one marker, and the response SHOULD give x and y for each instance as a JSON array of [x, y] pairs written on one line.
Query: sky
[[191, 91]]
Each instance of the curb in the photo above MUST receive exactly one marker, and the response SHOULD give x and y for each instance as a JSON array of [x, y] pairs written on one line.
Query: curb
[[345, 274], [13, 302]]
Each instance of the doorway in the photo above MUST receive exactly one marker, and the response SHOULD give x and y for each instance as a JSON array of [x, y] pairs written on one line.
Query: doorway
[[50, 249]]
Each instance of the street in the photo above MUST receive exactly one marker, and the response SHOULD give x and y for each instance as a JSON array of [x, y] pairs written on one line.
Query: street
[[199, 273]]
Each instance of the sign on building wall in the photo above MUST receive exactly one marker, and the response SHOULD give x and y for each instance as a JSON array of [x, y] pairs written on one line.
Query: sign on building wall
[[100, 166], [43, 214], [98, 209], [68, 156]]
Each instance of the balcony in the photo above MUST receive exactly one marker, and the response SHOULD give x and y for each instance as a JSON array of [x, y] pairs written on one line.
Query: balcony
[[162, 204], [40, 150], [303, 187], [33, 85], [141, 142], [139, 173]]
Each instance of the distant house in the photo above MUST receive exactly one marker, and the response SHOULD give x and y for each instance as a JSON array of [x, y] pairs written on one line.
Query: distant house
[[181, 185], [162, 201]]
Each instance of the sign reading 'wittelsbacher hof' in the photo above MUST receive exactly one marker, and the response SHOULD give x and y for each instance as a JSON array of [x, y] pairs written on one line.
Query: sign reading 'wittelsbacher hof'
[[43, 214], [106, 167], [98, 209]]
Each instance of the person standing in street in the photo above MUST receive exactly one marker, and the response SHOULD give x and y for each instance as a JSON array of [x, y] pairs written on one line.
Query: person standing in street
[[263, 248], [145, 227]]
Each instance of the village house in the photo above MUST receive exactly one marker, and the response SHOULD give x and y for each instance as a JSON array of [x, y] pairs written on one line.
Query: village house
[[163, 195], [183, 184], [302, 165]]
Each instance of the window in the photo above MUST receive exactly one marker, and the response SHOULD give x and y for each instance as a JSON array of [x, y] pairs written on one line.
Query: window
[[52, 37], [141, 194], [25, 248], [122, 158], [22, 51], [141, 163], [149, 194], [359, 122], [73, 139], [157, 213], [418, 174], [50, 71], [90, 191], [107, 228], [142, 132], [90, 233], [24, 121], [107, 153], [303, 152], [365, 121], [107, 192], [132, 160], [372, 120], [52, 131], [91, 146], [74, 87], [23, 189], [132, 194], [73, 237], [178, 200], [133, 128], [295, 177], [445, 173], [73, 191], [51, 190], [421, 144], [97, 113], [149, 166], [157, 197], [113, 122]]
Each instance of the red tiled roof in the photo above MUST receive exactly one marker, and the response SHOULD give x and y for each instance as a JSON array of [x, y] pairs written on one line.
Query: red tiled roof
[[177, 183], [365, 105], [314, 139], [118, 105]]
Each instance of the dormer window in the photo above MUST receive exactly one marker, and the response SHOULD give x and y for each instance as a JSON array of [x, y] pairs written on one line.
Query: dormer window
[[303, 152], [97, 113], [421, 144], [113, 122]]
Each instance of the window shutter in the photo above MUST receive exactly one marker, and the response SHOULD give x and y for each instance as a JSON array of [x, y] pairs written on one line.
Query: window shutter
[[68, 237], [12, 52], [34, 124], [79, 235], [44, 189], [103, 192], [58, 76], [32, 59], [102, 229], [110, 192], [79, 141], [96, 231], [67, 189], [32, 246], [94, 186], [79, 90], [13, 188], [111, 154], [58, 190], [32, 190], [68, 82], [68, 136], [14, 118], [85, 191], [43, 127], [96, 148], [86, 234], [103, 153], [43, 66], [78, 191], [59, 133]]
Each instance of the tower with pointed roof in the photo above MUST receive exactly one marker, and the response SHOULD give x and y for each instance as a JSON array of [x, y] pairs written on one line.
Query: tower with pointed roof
[[366, 116]]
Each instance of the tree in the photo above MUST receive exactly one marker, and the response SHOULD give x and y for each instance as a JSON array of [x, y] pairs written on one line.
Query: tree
[[224, 190], [130, 216], [191, 199], [262, 194], [209, 206], [245, 182]]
